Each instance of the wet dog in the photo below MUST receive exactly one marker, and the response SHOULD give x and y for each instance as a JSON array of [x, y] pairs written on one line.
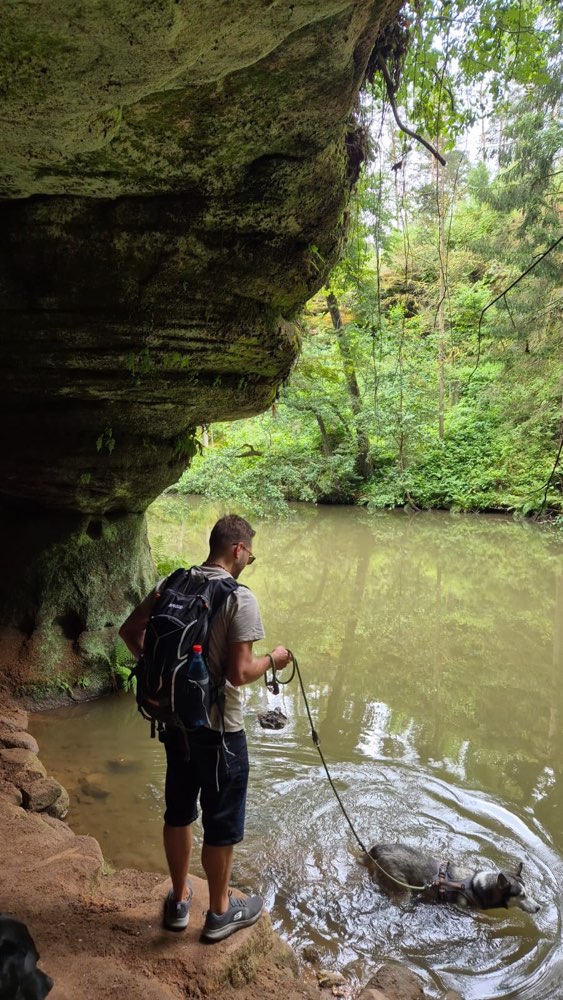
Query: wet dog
[[434, 881], [20, 979]]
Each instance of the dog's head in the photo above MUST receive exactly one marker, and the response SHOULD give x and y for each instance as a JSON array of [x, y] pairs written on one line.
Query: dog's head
[[20, 979], [513, 891]]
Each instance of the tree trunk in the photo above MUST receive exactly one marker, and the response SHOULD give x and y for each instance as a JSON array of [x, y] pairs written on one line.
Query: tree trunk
[[442, 291], [396, 157], [325, 440], [364, 465]]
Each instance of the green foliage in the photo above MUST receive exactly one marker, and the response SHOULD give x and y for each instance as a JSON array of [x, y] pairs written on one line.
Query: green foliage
[[139, 364], [466, 57], [316, 259], [124, 679], [255, 484], [186, 445], [106, 441], [122, 665]]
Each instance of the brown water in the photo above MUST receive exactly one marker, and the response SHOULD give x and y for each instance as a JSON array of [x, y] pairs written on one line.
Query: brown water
[[431, 648]]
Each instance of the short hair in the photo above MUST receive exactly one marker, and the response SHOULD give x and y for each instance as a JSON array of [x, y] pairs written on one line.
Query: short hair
[[229, 530]]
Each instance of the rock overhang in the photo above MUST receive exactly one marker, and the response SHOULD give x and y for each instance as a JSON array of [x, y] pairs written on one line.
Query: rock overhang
[[154, 96], [174, 180]]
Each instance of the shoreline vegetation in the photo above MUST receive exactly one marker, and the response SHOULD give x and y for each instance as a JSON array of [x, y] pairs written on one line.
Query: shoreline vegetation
[[394, 402], [264, 500]]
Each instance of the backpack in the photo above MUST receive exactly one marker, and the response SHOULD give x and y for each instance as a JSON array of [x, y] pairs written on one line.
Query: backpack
[[180, 620]]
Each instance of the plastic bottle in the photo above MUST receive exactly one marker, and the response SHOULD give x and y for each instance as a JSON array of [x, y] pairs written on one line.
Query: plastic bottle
[[197, 670], [197, 709]]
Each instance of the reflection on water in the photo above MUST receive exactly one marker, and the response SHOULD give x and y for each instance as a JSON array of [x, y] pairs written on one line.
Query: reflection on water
[[431, 648]]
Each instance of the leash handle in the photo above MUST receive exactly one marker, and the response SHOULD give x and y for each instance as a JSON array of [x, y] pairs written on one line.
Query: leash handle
[[273, 684]]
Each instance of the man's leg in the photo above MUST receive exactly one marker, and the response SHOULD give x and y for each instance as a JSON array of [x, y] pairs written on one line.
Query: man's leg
[[178, 849], [181, 790], [217, 863], [227, 913], [223, 799]]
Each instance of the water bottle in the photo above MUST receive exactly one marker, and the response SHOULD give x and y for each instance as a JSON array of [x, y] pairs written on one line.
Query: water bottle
[[198, 700], [197, 670]]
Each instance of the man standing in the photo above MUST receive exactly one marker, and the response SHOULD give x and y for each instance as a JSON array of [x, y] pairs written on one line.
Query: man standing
[[216, 768]]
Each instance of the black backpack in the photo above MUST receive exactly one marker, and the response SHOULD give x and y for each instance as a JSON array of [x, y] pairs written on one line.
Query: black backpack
[[180, 619]]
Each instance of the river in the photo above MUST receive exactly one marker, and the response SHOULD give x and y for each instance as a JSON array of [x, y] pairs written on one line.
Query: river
[[431, 649]]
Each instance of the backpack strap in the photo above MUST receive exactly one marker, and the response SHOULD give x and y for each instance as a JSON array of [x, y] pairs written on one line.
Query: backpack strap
[[170, 581], [216, 593]]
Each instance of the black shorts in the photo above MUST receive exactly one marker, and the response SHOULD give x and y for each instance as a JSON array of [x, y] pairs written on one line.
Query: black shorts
[[216, 770]]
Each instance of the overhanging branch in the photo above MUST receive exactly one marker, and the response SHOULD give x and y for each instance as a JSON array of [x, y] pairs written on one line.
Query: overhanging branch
[[404, 128]]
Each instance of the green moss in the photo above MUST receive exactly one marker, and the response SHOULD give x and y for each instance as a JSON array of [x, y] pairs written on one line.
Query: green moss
[[139, 364], [203, 197], [26, 54], [109, 121], [110, 532], [105, 441]]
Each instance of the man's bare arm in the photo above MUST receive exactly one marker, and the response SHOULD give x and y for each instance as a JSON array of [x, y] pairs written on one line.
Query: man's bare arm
[[243, 667], [133, 629]]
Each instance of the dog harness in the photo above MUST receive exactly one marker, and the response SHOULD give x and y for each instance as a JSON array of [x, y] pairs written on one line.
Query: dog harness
[[444, 889]]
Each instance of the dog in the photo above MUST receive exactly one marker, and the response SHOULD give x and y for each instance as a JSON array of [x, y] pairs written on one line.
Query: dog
[[440, 882], [20, 979]]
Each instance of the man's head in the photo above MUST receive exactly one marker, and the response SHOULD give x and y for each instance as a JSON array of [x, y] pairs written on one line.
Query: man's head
[[230, 543]]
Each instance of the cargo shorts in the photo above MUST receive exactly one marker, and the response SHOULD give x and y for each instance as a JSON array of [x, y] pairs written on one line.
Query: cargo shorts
[[212, 767]]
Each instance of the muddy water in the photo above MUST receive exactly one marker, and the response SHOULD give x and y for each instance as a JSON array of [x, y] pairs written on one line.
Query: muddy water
[[432, 653]]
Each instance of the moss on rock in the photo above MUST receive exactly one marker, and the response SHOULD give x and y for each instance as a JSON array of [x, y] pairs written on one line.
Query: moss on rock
[[72, 581]]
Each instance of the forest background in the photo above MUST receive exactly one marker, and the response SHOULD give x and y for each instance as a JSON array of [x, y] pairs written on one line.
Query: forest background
[[430, 376]]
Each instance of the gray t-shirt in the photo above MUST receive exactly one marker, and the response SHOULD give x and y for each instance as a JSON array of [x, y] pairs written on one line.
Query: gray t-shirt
[[238, 620]]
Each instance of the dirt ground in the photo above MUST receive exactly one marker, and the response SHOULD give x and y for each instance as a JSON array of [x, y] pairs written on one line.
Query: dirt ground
[[99, 931]]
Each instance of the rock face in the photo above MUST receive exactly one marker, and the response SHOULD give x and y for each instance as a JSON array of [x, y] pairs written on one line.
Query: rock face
[[174, 181]]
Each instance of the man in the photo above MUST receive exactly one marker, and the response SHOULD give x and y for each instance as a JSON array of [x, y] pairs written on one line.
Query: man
[[217, 768]]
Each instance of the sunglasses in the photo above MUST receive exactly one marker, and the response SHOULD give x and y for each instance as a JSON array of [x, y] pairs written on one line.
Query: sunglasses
[[251, 557]]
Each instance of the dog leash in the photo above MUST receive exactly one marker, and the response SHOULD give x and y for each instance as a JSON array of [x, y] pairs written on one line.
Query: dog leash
[[273, 685]]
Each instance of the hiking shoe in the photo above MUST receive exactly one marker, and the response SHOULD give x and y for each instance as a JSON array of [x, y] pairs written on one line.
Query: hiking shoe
[[241, 913], [177, 914]]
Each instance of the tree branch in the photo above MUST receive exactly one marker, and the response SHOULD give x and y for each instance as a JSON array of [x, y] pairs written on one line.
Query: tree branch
[[250, 453], [502, 296], [404, 128]]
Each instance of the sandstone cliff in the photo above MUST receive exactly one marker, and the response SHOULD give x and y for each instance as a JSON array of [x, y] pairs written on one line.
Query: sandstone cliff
[[174, 179]]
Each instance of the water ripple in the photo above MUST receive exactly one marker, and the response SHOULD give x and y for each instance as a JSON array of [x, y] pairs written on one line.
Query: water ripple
[[321, 894]]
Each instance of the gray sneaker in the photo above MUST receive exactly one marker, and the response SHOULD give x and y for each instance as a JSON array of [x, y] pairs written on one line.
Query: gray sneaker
[[177, 915], [241, 913]]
